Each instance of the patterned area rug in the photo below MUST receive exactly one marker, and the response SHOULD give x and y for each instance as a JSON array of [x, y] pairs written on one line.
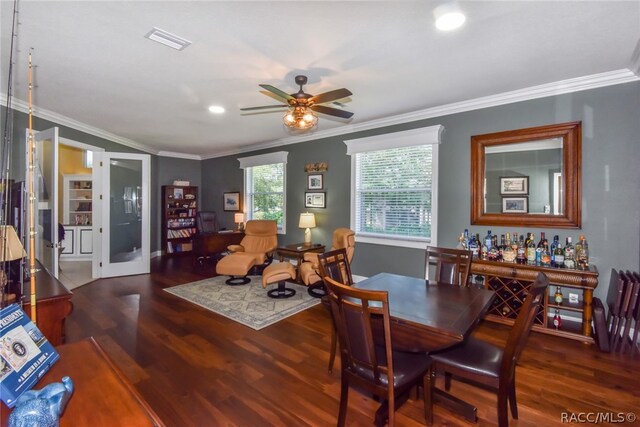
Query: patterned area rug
[[247, 304]]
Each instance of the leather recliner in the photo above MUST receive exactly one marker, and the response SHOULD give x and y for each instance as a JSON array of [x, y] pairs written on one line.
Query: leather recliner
[[253, 253], [343, 238]]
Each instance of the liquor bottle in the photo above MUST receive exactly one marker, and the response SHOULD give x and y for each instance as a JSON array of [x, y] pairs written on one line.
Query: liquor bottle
[[531, 250], [493, 253], [473, 247], [521, 256], [526, 240], [514, 242], [460, 244], [557, 297], [557, 320], [488, 240], [582, 257], [466, 238], [539, 248], [569, 255], [508, 252], [545, 256], [552, 249], [484, 251], [558, 257], [503, 245]]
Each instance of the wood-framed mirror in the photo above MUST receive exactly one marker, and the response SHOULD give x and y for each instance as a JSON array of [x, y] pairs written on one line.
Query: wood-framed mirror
[[528, 177]]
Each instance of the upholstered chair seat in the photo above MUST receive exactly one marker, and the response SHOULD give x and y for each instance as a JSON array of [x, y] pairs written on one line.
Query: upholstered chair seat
[[343, 238]]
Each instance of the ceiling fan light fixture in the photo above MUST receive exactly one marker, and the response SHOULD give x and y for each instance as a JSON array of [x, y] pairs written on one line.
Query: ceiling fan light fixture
[[448, 17], [300, 118]]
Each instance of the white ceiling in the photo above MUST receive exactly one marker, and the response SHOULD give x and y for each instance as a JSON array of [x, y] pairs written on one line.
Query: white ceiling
[[94, 66]]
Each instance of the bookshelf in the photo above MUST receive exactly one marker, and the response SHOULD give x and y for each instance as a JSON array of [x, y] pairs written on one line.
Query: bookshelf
[[179, 207]]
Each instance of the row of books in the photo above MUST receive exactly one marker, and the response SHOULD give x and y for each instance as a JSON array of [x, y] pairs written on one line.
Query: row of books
[[181, 222], [183, 232]]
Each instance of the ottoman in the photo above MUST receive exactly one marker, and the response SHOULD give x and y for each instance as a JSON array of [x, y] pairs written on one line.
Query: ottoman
[[279, 272], [236, 266]]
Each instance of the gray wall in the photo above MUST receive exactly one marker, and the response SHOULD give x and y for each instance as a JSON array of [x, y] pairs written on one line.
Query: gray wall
[[610, 176]]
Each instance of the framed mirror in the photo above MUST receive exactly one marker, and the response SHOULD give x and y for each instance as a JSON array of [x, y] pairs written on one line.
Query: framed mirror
[[528, 177]]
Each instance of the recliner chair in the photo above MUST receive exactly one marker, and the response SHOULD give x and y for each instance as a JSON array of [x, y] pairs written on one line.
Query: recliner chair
[[252, 255], [343, 238]]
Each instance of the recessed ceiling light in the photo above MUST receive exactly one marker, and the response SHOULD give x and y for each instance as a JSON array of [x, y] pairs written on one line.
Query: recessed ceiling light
[[216, 109], [448, 17], [167, 39]]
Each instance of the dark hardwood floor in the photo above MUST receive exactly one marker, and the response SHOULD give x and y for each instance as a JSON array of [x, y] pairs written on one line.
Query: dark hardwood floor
[[196, 368]]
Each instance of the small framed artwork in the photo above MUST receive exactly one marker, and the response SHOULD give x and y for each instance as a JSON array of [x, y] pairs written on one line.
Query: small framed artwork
[[231, 202], [314, 200], [514, 185], [515, 205], [314, 182], [178, 193]]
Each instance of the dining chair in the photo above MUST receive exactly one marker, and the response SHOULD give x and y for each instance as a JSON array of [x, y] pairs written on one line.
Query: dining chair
[[481, 363], [452, 266], [366, 365], [334, 264]]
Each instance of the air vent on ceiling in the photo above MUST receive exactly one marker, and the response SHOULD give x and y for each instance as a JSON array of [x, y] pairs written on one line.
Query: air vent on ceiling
[[167, 39]]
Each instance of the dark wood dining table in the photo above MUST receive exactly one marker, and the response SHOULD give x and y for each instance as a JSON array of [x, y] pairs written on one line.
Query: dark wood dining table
[[430, 317]]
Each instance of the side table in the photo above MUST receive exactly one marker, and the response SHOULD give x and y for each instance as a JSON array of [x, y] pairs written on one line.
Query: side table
[[296, 252]]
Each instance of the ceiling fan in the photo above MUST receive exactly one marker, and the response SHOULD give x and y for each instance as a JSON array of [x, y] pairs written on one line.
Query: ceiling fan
[[303, 105]]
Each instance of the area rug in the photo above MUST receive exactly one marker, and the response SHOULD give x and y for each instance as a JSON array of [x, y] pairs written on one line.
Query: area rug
[[247, 304]]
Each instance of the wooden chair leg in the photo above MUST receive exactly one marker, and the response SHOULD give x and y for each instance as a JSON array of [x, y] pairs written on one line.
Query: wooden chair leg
[[513, 404], [334, 345], [447, 381], [344, 396], [429, 383], [503, 415]]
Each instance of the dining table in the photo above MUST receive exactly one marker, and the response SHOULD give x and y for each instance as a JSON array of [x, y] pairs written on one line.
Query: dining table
[[429, 317]]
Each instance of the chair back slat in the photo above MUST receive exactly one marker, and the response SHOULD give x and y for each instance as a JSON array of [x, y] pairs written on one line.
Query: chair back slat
[[520, 331], [451, 266], [335, 264]]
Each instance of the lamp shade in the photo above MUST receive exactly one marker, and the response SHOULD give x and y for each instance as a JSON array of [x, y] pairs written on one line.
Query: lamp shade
[[307, 220], [10, 245], [238, 217]]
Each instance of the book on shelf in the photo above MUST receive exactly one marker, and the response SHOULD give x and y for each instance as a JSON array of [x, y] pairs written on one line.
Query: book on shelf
[[25, 354]]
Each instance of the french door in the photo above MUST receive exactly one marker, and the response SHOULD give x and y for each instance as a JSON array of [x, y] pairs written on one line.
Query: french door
[[121, 207]]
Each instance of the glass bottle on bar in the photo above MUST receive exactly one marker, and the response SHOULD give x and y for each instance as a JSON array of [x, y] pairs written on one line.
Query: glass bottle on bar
[[545, 255], [508, 252], [473, 247], [569, 255], [531, 250], [558, 257], [521, 255], [557, 297], [488, 240], [460, 245], [466, 238], [557, 320], [582, 257], [552, 249]]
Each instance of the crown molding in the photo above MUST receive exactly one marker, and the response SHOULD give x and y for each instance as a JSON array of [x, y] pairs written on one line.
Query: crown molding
[[594, 81], [20, 105], [534, 92], [179, 155]]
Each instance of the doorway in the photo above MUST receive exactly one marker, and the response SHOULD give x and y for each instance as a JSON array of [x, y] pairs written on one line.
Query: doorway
[[75, 210]]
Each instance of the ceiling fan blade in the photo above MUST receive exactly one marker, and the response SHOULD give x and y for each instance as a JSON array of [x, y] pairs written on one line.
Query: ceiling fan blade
[[263, 107], [330, 96], [332, 111], [277, 91]]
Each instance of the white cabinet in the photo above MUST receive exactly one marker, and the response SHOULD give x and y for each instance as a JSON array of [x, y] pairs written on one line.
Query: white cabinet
[[77, 243], [77, 204]]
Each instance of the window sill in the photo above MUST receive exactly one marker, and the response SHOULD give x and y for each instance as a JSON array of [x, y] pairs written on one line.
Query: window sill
[[416, 244]]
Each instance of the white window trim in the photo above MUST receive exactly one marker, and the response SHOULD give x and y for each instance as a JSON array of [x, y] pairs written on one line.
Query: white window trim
[[267, 159], [409, 138]]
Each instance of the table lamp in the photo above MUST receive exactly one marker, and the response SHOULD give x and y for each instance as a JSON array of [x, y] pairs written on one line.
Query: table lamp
[[307, 221], [238, 218], [10, 250]]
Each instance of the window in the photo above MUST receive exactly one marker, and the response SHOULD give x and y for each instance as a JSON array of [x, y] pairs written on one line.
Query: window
[[394, 187], [265, 187]]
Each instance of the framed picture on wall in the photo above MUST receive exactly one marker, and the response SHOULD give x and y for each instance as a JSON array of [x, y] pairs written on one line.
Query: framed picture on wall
[[314, 182], [514, 185], [231, 202], [515, 205], [314, 200]]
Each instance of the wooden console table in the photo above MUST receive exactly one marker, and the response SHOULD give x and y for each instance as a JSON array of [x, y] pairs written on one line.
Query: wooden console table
[[296, 252], [213, 244], [102, 395], [512, 281]]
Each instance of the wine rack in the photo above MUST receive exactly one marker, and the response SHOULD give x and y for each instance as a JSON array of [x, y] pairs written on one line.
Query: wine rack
[[511, 283]]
